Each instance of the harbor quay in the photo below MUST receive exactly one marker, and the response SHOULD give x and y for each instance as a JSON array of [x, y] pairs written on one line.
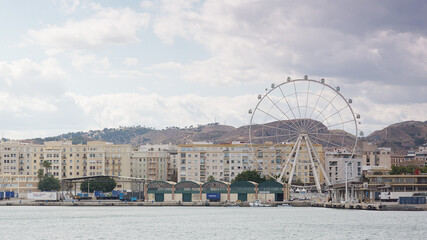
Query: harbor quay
[[104, 203]]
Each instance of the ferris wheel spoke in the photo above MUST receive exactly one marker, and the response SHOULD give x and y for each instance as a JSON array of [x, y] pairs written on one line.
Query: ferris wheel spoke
[[313, 125], [287, 102], [337, 112], [280, 121], [306, 122], [317, 101], [327, 141], [278, 128], [333, 125], [306, 102], [276, 155], [316, 121], [268, 114], [325, 134], [275, 136], [296, 97], [329, 103], [315, 142], [280, 110], [343, 140]]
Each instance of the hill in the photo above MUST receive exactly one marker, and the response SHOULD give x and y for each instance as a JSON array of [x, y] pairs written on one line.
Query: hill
[[400, 136], [404, 135], [214, 132]]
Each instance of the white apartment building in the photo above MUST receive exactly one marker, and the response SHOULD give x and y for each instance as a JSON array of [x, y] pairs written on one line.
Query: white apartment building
[[340, 162]]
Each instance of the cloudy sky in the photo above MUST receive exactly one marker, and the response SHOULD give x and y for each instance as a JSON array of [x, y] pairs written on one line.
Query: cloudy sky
[[80, 65]]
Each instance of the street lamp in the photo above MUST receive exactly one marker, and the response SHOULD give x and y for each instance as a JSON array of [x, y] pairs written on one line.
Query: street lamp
[[347, 163]]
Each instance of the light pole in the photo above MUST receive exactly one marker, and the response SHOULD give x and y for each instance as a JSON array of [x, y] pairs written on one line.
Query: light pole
[[346, 179]]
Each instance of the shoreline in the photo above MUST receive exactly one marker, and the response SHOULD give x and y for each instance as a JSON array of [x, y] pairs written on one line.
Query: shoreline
[[105, 203]]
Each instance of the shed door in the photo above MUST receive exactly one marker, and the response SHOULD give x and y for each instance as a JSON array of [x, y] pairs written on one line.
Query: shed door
[[186, 197], [279, 197], [242, 197], [159, 197]]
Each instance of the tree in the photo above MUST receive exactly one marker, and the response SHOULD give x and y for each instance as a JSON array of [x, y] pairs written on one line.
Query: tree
[[410, 169], [49, 183], [104, 184], [249, 175], [47, 165], [211, 178], [40, 174]]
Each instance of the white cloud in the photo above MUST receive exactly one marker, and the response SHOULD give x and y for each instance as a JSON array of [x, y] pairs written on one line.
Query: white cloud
[[108, 26], [131, 61], [146, 4], [257, 41], [69, 6], [378, 55], [158, 111], [89, 62], [376, 116], [27, 77], [23, 104]]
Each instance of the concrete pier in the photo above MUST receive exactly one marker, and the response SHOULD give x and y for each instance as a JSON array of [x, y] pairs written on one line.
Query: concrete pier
[[373, 206], [93, 203]]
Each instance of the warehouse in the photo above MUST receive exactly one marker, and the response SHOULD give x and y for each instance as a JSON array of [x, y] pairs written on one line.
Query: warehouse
[[188, 191], [216, 191], [244, 191], [160, 191], [270, 191]]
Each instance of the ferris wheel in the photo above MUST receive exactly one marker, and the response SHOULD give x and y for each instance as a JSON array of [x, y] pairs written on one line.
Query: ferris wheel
[[294, 123]]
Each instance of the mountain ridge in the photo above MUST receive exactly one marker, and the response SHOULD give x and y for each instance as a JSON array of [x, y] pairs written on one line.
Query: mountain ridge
[[403, 135]]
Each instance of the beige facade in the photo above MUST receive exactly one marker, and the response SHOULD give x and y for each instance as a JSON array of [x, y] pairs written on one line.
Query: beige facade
[[154, 162], [198, 161], [151, 165], [19, 162], [272, 157]]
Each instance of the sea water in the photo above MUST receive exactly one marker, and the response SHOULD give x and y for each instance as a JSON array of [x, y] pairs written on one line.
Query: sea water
[[48, 222]]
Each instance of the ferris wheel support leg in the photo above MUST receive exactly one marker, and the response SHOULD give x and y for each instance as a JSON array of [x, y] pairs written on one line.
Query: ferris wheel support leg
[[282, 174], [316, 178], [295, 161], [328, 183]]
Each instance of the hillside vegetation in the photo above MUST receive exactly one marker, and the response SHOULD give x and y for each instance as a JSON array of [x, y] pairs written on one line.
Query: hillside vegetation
[[403, 135]]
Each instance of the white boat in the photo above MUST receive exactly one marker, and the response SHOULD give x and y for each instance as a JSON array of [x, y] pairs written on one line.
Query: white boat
[[284, 205], [257, 203]]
